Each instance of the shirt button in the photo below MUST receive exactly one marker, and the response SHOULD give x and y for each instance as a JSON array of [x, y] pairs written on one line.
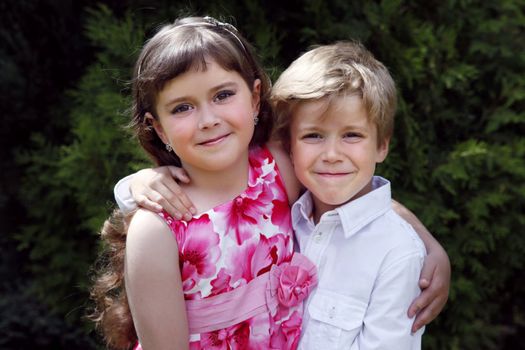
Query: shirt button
[[318, 237], [331, 313]]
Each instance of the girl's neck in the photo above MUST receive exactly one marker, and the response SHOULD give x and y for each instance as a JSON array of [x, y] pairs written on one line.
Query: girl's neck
[[207, 189]]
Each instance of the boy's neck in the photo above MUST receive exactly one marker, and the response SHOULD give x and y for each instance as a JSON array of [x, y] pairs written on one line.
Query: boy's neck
[[319, 207]]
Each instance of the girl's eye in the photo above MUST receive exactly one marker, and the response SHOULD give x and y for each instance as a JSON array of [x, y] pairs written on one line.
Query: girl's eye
[[223, 95], [181, 108]]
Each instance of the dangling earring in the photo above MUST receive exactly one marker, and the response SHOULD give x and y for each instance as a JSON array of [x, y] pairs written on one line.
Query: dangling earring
[[255, 119], [169, 148]]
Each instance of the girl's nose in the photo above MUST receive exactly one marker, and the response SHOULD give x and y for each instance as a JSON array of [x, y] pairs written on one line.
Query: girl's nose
[[208, 119]]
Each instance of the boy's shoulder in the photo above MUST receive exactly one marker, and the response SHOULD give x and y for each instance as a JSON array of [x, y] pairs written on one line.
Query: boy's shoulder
[[392, 233]]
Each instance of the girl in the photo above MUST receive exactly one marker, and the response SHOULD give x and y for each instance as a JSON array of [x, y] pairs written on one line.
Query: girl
[[227, 277]]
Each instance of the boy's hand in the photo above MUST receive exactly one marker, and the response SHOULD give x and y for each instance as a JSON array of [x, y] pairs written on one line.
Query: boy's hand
[[435, 283], [156, 189]]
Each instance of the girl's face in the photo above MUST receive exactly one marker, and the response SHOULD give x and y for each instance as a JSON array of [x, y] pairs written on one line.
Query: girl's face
[[207, 117]]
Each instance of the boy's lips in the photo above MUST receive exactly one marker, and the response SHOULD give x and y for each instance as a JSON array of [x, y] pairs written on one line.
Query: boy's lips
[[214, 140], [332, 173]]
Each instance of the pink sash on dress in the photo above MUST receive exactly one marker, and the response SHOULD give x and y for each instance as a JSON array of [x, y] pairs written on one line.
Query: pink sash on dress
[[287, 284]]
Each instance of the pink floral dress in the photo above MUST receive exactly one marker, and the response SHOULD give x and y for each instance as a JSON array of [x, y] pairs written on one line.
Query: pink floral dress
[[230, 245]]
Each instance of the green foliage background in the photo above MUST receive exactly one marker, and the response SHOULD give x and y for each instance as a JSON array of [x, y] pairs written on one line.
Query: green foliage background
[[457, 159]]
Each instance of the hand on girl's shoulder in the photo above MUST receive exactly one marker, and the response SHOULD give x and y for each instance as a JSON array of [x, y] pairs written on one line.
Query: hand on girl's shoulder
[[284, 163]]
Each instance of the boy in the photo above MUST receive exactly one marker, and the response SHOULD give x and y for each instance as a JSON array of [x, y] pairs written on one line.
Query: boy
[[335, 105]]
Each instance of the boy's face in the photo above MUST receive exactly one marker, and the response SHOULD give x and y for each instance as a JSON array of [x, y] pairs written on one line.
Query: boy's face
[[334, 150]]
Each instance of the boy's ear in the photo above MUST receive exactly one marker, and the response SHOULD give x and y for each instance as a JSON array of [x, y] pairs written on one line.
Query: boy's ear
[[382, 150], [256, 95], [150, 119]]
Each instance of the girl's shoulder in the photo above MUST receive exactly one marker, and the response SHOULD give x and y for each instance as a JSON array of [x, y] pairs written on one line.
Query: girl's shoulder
[[285, 168], [148, 231]]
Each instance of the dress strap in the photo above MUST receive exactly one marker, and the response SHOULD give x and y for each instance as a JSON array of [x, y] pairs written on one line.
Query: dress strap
[[286, 284]]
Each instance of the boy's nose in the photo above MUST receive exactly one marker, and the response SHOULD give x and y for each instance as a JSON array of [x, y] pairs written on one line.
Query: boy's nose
[[331, 151]]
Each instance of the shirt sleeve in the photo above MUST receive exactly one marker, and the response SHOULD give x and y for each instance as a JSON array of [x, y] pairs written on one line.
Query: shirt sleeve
[[386, 324], [123, 196]]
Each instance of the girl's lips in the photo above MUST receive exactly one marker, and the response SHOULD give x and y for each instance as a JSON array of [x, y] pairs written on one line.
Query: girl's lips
[[213, 141]]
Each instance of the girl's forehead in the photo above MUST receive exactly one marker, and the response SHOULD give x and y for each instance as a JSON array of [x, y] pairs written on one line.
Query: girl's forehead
[[208, 73], [200, 83]]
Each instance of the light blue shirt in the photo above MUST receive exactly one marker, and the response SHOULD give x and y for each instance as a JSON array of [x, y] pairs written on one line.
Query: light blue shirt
[[369, 261]]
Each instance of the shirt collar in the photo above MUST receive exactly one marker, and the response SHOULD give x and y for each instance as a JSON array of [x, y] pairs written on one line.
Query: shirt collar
[[302, 209], [353, 215]]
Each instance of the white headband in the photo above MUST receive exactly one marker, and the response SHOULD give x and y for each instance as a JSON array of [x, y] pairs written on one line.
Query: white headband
[[210, 21]]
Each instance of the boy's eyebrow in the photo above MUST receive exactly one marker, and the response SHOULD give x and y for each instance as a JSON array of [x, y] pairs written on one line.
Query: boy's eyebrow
[[307, 127], [320, 126]]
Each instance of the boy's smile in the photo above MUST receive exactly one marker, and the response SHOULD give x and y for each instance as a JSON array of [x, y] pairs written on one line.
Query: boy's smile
[[334, 150]]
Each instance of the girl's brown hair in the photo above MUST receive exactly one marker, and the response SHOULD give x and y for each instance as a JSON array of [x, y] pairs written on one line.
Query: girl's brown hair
[[112, 315], [175, 49], [183, 46]]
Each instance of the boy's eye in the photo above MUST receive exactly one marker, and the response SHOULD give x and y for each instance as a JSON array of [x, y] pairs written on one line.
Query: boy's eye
[[181, 108], [312, 136], [352, 135], [223, 95]]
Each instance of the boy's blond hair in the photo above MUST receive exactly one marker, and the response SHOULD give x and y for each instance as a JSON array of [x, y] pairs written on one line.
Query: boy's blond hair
[[340, 69]]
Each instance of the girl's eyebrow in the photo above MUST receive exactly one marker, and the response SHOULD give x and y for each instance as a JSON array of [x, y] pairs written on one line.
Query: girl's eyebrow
[[176, 100], [228, 84], [224, 85]]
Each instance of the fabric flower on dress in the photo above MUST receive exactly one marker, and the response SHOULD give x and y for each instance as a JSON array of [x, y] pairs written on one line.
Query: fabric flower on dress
[[290, 283]]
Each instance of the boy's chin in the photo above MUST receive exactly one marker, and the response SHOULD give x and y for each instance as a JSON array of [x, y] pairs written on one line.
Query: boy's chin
[[326, 203], [338, 199]]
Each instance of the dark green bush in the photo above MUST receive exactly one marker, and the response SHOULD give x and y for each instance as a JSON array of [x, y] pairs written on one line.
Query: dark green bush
[[457, 157], [27, 323]]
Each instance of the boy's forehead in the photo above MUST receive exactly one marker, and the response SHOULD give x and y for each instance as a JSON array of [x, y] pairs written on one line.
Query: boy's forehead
[[311, 107], [319, 110]]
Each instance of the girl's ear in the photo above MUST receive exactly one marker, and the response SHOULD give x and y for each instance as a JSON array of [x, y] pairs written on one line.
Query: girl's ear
[[256, 96], [382, 151], [150, 119]]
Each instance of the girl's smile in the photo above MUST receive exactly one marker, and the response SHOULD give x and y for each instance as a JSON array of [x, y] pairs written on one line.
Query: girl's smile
[[214, 141]]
